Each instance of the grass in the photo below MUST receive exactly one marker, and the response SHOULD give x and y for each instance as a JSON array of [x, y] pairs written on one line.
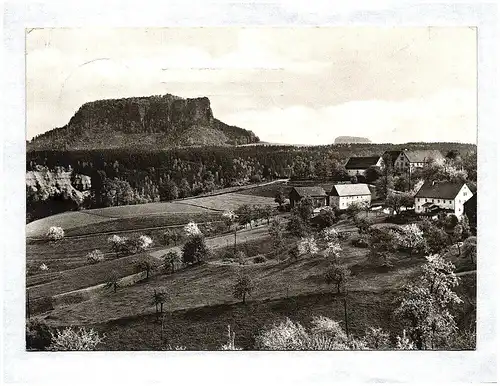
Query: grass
[[212, 284], [206, 327], [152, 221], [66, 220], [82, 275]]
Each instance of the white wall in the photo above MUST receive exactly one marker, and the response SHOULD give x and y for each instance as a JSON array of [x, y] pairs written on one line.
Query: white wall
[[456, 204], [344, 201], [464, 195]]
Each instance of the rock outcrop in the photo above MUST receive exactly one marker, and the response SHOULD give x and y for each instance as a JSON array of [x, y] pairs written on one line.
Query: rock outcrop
[[155, 122]]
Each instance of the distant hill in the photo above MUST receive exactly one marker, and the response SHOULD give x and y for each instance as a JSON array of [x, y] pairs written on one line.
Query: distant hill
[[155, 122], [347, 139]]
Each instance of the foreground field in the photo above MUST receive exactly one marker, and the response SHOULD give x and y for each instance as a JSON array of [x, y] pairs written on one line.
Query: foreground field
[[53, 283], [212, 284]]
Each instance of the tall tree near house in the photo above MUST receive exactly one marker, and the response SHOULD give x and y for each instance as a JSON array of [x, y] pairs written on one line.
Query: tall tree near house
[[384, 186], [280, 198], [394, 201], [305, 208]]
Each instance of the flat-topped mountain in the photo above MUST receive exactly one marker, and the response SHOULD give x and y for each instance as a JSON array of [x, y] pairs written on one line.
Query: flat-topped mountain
[[155, 122], [348, 139]]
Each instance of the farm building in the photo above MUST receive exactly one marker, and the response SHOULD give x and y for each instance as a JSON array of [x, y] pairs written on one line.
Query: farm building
[[470, 210], [358, 165], [343, 195], [442, 196], [392, 156], [318, 195], [410, 160]]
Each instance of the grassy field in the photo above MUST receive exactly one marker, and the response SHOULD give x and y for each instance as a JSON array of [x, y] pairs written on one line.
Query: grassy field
[[156, 214], [56, 282], [206, 327], [211, 284]]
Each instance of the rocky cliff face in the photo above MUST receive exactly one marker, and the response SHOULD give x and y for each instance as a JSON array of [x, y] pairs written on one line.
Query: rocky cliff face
[[49, 192], [164, 121], [348, 139]]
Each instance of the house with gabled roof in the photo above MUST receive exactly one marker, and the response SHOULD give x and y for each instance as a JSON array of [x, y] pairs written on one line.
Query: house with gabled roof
[[317, 193], [358, 165], [409, 160], [391, 156], [442, 196], [343, 195]]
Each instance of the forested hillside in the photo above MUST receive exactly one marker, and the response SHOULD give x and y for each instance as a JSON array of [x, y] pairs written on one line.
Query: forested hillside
[[120, 177]]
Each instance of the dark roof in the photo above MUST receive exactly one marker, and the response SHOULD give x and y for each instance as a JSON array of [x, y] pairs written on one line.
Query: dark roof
[[312, 191], [342, 190], [422, 155], [447, 190], [361, 162], [394, 154]]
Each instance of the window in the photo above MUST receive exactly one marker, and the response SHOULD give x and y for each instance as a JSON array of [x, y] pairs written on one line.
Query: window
[[450, 201]]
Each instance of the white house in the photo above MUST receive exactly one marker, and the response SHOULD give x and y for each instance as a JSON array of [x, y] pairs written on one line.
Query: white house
[[343, 195], [358, 165], [435, 196], [412, 159]]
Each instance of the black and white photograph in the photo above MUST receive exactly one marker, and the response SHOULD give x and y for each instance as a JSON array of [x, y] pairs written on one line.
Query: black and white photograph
[[251, 188], [249, 193]]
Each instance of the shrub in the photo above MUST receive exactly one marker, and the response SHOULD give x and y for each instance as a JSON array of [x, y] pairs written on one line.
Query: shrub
[[259, 259], [191, 229], [75, 340], [360, 241], [117, 243], [44, 267], [96, 256], [307, 245], [38, 335], [144, 242], [286, 335], [55, 233], [195, 250], [171, 261], [377, 339], [240, 257]]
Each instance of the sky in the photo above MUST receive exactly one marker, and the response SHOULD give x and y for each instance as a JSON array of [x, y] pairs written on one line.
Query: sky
[[300, 85]]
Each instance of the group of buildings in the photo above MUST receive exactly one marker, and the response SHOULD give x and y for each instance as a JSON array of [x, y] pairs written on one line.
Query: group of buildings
[[431, 198], [400, 161]]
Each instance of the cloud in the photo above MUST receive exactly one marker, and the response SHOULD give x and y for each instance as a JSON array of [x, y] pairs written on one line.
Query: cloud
[[380, 80]]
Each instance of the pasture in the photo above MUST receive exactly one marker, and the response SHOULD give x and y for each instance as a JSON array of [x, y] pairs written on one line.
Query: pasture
[[212, 284]]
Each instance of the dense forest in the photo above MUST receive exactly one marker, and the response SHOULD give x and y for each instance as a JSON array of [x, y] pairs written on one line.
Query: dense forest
[[120, 177]]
